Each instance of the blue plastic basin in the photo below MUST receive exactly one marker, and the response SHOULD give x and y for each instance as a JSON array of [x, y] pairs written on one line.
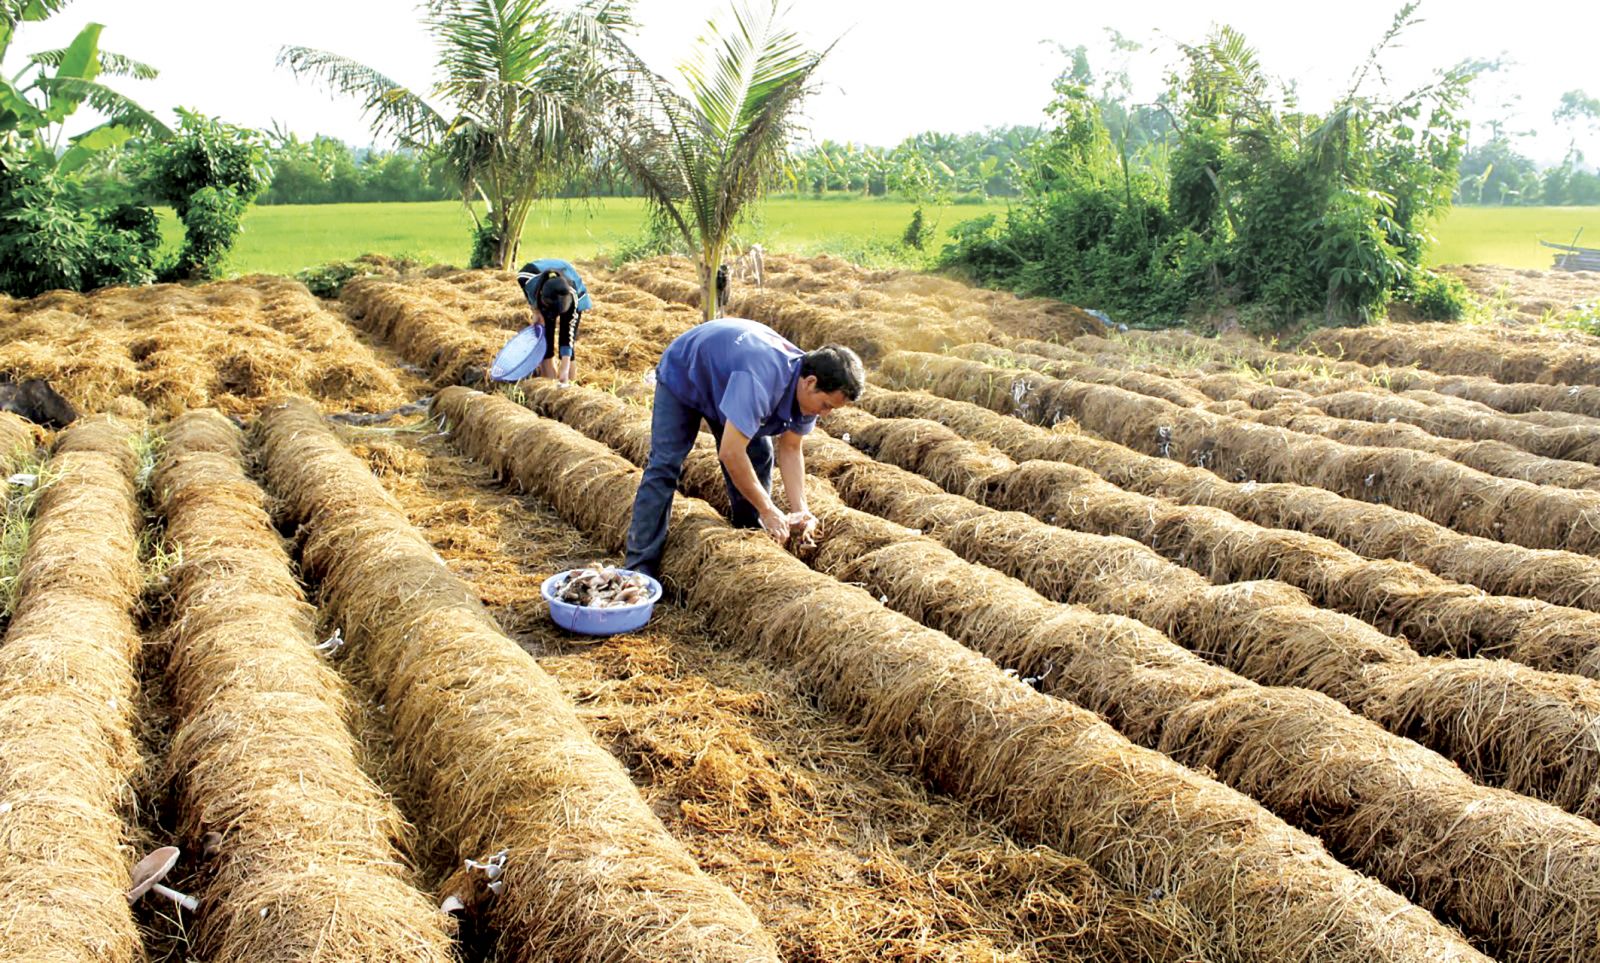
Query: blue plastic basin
[[587, 620]]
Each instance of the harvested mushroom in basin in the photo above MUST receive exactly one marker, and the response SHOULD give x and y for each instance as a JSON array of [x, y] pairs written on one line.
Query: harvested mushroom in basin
[[604, 587]]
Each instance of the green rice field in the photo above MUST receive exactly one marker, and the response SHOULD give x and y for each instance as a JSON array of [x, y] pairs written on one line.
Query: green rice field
[[284, 239], [1511, 235]]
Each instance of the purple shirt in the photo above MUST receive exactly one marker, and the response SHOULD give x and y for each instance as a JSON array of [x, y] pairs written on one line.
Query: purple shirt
[[737, 372]]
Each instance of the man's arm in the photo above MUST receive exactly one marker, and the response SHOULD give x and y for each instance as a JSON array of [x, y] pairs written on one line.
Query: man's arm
[[791, 460], [737, 461], [792, 466]]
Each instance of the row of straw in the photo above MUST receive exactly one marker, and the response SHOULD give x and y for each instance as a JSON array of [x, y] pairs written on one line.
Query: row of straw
[[1452, 495], [1554, 435], [1048, 770], [1531, 731], [1492, 457], [307, 867], [68, 707], [1191, 516], [487, 738], [1573, 441], [1378, 800], [1489, 456], [1321, 374], [165, 349], [870, 331], [404, 315], [1495, 352], [16, 441]]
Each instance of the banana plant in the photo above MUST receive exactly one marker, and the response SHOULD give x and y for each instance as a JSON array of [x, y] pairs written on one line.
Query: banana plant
[[53, 84]]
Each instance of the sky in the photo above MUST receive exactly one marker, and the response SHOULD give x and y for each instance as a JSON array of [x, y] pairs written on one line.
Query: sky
[[897, 67]]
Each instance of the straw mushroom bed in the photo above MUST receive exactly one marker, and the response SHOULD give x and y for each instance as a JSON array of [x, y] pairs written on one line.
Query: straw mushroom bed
[[306, 865], [870, 325], [1483, 452], [1534, 732], [1375, 531], [1321, 374], [155, 352], [17, 439], [1504, 353], [1275, 744], [590, 873], [404, 314], [1046, 769], [1449, 494], [842, 856], [68, 686]]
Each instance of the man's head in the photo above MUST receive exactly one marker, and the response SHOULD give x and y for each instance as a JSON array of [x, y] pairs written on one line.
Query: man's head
[[555, 295], [830, 377]]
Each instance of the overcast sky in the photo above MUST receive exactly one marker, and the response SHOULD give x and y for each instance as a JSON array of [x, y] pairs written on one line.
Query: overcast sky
[[899, 66]]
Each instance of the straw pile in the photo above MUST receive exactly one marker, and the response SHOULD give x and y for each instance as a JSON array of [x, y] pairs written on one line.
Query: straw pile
[[1492, 457], [869, 323], [1375, 531], [1141, 382], [1046, 769], [17, 440], [308, 868], [1448, 493], [1503, 353], [403, 314], [68, 687], [161, 350], [488, 739], [1275, 744], [1403, 599], [1575, 442]]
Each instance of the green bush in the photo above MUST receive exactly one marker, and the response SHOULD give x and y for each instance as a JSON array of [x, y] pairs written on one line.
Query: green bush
[[209, 172], [1236, 200], [485, 246], [1440, 297], [49, 240]]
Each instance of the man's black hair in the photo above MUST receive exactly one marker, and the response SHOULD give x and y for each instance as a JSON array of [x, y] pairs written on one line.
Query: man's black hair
[[837, 369]]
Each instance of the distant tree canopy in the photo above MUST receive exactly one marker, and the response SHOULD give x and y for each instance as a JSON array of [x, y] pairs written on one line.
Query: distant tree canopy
[[1494, 172], [1226, 193], [922, 167], [326, 171]]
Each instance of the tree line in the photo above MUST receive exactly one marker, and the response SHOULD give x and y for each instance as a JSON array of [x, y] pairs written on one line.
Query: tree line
[[1495, 172]]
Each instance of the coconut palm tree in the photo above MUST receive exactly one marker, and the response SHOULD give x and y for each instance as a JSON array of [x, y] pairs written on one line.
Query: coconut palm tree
[[702, 156], [509, 117]]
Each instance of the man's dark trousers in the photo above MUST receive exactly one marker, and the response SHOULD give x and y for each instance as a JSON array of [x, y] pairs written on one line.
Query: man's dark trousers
[[673, 427]]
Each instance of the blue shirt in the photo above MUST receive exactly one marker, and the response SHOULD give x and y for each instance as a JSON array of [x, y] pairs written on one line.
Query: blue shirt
[[737, 372]]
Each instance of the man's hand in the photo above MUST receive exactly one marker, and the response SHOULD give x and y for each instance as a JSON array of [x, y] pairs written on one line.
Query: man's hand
[[803, 525], [775, 524]]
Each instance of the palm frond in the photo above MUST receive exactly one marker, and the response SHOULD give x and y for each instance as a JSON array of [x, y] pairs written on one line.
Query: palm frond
[[390, 107], [111, 64], [117, 107]]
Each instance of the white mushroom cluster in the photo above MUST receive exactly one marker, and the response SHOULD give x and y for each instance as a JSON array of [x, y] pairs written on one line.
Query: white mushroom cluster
[[603, 587]]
